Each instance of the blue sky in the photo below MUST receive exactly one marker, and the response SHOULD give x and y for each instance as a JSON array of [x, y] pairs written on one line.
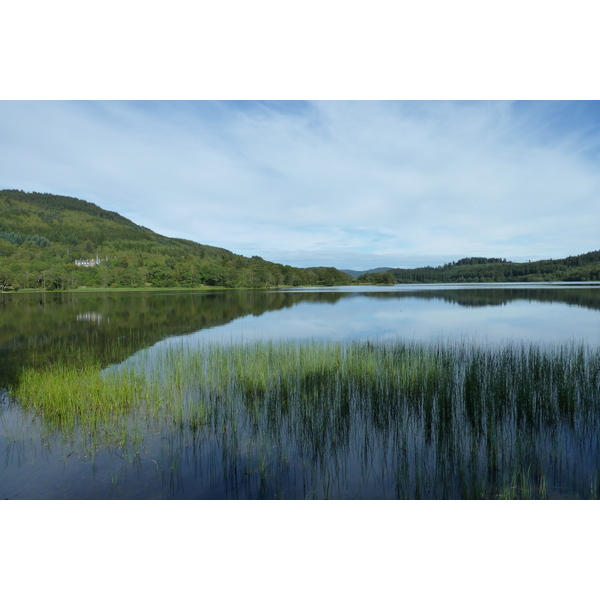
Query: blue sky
[[350, 184]]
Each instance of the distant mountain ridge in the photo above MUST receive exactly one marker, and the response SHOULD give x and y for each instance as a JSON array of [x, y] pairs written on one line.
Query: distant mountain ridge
[[43, 235], [359, 273]]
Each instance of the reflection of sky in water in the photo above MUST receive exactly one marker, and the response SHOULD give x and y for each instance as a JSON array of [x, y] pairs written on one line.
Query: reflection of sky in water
[[361, 317]]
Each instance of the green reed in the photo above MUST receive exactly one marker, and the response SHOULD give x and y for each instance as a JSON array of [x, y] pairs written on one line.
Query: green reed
[[407, 419]]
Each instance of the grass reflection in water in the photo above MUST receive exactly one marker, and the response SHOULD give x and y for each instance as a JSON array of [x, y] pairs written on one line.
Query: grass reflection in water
[[345, 419]]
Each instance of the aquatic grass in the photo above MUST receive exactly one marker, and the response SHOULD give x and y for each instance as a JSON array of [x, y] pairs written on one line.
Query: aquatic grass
[[412, 420], [86, 398], [494, 409]]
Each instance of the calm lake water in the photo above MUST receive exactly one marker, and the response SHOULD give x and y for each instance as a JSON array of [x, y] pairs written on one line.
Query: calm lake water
[[139, 327]]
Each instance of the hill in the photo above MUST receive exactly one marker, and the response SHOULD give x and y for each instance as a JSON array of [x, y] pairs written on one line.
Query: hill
[[359, 273], [584, 267], [43, 235]]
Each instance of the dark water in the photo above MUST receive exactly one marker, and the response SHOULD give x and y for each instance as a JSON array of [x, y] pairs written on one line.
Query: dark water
[[37, 462]]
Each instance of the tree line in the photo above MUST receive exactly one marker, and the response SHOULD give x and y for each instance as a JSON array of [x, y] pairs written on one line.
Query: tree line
[[584, 267]]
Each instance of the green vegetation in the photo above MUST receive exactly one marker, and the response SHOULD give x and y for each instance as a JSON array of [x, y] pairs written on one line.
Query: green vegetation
[[42, 235], [585, 267], [396, 419]]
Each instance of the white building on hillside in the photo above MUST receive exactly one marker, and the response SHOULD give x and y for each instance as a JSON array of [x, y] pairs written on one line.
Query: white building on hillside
[[88, 263]]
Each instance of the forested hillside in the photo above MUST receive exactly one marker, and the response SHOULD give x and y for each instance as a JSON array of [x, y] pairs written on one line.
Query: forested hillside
[[42, 235], [585, 267]]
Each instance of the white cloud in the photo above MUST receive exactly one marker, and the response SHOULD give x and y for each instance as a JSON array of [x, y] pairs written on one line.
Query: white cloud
[[351, 184]]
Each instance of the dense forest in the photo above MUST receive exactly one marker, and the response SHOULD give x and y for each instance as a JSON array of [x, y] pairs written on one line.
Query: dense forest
[[585, 267], [42, 235]]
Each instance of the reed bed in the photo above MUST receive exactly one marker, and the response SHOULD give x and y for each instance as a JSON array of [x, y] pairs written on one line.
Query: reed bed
[[358, 419]]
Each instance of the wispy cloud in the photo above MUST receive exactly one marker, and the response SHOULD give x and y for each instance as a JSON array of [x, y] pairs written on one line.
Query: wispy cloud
[[349, 184]]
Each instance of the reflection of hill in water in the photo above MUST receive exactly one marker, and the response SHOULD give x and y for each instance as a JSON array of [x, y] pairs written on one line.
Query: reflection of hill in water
[[585, 297], [109, 327]]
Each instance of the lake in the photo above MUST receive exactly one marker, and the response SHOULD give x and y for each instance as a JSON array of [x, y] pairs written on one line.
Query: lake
[[331, 433]]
